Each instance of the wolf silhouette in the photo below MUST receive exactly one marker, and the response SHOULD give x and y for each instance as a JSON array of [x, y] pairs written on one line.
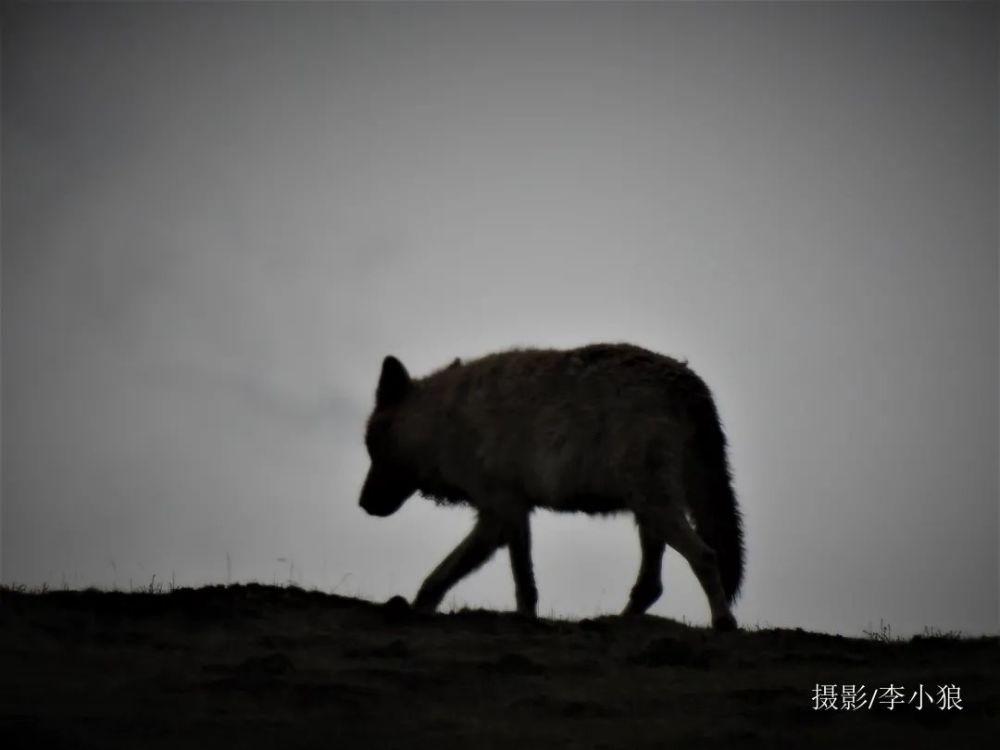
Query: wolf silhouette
[[599, 429]]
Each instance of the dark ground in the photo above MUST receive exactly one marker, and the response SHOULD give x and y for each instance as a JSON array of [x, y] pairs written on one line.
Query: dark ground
[[261, 666]]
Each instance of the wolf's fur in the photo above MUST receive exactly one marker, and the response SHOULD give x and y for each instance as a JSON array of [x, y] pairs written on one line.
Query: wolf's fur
[[598, 429]]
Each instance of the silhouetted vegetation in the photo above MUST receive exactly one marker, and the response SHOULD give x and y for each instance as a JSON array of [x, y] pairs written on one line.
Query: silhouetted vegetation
[[264, 666]]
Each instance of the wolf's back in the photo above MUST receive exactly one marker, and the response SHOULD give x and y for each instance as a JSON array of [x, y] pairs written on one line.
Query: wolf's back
[[709, 482], [593, 403]]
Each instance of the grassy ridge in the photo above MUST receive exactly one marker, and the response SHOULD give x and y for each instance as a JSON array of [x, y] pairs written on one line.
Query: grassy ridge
[[262, 666]]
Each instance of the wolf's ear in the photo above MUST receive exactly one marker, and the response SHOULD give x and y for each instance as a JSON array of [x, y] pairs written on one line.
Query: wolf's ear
[[393, 383]]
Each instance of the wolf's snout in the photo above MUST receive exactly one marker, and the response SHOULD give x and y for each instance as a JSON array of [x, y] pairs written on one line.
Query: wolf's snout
[[374, 510], [383, 493]]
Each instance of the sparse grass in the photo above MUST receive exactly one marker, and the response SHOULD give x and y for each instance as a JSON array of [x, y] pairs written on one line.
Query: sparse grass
[[157, 587], [883, 634], [936, 634], [759, 627], [319, 661]]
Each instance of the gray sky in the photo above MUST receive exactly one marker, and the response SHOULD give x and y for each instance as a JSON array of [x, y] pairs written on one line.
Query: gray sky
[[218, 219]]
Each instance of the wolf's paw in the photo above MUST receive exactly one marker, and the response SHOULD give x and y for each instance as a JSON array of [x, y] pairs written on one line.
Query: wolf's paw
[[424, 606], [397, 608], [724, 623]]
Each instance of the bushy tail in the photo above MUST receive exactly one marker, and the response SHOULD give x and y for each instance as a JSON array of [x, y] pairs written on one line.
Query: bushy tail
[[712, 500]]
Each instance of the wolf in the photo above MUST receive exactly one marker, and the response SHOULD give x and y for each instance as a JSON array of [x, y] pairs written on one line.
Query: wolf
[[599, 429]]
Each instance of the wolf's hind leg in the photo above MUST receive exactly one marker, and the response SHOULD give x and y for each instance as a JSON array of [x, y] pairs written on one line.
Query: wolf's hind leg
[[648, 586], [478, 547], [680, 535], [519, 546]]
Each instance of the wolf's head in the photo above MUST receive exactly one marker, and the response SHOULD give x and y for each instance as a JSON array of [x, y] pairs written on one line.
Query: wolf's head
[[390, 480]]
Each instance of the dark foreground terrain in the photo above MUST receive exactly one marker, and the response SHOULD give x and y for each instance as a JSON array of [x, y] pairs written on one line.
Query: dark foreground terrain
[[269, 667]]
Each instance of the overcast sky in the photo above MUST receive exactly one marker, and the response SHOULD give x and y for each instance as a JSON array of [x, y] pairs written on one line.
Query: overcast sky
[[218, 219]]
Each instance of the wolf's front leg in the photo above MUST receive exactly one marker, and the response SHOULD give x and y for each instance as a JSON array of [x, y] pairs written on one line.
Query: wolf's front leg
[[478, 547], [648, 585], [519, 545]]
